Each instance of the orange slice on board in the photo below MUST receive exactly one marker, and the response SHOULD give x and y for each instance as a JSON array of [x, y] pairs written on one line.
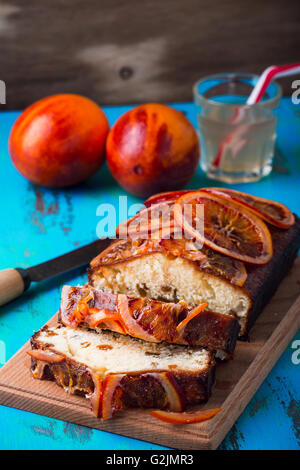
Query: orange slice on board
[[184, 418], [271, 211], [225, 226]]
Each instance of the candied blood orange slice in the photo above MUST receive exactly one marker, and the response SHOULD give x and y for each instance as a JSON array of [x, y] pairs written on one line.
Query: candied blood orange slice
[[175, 400], [225, 226], [113, 394], [272, 212], [147, 221], [163, 197], [184, 418], [122, 250], [129, 323], [96, 398], [111, 383]]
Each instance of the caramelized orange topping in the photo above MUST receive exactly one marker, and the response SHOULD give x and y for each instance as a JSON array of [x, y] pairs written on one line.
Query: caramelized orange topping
[[271, 211], [192, 315], [225, 226]]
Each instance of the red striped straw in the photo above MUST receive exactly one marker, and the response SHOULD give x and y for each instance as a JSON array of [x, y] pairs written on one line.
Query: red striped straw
[[272, 72]]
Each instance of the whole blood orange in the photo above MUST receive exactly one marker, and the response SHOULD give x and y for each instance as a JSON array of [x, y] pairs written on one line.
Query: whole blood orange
[[228, 226], [59, 141], [152, 148]]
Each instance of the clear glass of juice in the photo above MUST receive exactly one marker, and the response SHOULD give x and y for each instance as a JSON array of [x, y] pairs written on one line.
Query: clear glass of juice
[[237, 140]]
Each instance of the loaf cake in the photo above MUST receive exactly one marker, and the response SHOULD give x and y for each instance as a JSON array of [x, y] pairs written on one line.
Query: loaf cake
[[148, 319], [163, 270], [156, 312], [117, 371]]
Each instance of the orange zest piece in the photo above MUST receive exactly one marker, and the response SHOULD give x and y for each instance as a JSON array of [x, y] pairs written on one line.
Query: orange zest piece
[[115, 326], [93, 316], [192, 315], [46, 356], [225, 226], [97, 316], [80, 311], [185, 418]]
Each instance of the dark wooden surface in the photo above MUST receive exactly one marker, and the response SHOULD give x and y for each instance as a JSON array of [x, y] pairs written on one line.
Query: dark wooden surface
[[137, 51]]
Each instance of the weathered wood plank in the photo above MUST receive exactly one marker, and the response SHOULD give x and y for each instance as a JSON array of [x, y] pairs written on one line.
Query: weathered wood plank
[[123, 52]]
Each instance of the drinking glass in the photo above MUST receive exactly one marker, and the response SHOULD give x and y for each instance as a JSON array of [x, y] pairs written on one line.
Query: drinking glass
[[237, 140]]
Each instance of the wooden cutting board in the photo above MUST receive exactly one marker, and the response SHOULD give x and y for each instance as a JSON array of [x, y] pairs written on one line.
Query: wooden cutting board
[[236, 382]]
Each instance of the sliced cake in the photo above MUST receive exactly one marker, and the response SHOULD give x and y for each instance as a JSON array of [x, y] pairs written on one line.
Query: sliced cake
[[148, 319], [117, 371]]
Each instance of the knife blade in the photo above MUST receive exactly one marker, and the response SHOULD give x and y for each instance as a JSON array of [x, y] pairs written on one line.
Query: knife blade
[[13, 282]]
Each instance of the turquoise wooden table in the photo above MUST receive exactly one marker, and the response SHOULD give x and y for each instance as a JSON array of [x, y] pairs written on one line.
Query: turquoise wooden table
[[38, 224]]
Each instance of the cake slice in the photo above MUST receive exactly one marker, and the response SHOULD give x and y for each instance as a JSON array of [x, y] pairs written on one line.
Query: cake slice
[[117, 371], [148, 319], [155, 270]]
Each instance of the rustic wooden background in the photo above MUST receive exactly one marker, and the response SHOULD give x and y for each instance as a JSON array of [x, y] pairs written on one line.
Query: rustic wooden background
[[118, 51]]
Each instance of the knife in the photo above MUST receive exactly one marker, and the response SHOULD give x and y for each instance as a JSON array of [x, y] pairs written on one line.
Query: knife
[[13, 282]]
